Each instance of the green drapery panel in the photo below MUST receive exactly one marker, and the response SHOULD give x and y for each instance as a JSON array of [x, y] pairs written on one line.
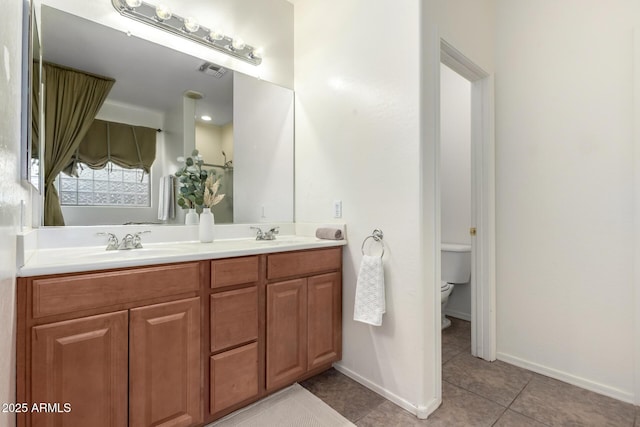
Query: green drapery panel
[[72, 100], [130, 147]]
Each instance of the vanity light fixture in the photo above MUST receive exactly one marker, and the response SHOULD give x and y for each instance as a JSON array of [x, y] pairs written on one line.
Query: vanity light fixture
[[161, 16], [206, 118]]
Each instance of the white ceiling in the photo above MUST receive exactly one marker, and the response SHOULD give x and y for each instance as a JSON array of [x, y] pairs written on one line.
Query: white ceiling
[[147, 75]]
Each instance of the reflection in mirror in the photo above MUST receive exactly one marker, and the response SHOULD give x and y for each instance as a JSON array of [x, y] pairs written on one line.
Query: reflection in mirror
[[192, 104], [36, 102], [30, 97]]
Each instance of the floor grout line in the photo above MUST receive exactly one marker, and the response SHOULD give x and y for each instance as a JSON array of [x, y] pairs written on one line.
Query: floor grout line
[[475, 393]]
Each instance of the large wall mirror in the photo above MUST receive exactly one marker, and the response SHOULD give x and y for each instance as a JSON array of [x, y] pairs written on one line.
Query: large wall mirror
[[241, 126]]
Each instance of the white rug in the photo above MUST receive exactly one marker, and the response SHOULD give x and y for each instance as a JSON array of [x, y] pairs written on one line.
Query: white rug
[[291, 407]]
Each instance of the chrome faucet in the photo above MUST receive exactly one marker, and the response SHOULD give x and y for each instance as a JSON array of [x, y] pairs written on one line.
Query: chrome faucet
[[129, 241], [132, 241], [266, 235], [126, 242]]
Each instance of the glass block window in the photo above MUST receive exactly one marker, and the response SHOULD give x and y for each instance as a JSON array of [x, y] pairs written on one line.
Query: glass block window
[[111, 186]]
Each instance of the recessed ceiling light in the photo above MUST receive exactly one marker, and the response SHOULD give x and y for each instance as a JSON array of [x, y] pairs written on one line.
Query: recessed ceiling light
[[206, 118]]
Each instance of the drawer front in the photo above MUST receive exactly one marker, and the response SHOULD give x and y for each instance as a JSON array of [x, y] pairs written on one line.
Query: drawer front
[[289, 264], [58, 295], [234, 377], [234, 318], [234, 271]]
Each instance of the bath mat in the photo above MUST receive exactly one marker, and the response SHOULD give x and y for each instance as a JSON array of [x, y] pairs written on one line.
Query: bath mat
[[291, 407]]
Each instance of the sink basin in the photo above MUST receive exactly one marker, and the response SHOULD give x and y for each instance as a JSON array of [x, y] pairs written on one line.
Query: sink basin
[[281, 241], [133, 253]]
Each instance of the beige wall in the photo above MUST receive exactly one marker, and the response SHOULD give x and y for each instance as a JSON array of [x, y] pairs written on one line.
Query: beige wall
[[209, 142], [564, 190], [212, 140], [227, 140]]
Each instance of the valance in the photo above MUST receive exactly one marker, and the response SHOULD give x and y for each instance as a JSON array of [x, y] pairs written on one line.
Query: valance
[[128, 146]]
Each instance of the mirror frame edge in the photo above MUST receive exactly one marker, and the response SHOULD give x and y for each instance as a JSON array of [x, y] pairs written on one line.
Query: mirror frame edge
[[26, 104]]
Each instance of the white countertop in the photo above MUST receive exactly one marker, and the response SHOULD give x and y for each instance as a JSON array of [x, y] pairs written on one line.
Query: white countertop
[[88, 258]]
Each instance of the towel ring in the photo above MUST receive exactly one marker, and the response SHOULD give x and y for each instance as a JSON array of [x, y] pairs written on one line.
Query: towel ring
[[377, 236]]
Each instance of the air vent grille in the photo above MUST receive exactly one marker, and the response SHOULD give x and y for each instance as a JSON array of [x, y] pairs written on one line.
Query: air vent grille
[[212, 70]]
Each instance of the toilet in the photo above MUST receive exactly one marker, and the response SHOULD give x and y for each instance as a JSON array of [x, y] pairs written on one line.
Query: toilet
[[455, 266]]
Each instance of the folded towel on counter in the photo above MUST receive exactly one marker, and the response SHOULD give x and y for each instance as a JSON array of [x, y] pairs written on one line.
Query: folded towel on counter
[[370, 299], [166, 199], [329, 233]]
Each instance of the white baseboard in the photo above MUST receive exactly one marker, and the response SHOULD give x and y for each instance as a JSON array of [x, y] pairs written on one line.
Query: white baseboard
[[458, 314], [421, 412], [568, 378]]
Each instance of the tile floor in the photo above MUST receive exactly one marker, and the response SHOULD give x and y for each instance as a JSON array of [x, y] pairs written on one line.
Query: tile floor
[[478, 393]]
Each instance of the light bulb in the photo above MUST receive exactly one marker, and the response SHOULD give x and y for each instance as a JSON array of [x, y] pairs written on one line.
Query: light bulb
[[206, 118], [257, 53], [133, 3], [163, 12], [238, 43], [216, 34], [191, 24]]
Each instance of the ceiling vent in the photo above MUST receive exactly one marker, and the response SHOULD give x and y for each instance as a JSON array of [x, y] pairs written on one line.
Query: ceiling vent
[[212, 70]]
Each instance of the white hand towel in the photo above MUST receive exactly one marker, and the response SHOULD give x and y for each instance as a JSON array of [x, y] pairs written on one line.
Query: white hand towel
[[166, 200], [370, 299]]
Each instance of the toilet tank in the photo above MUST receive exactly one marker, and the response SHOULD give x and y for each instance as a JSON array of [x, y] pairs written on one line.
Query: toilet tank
[[455, 262]]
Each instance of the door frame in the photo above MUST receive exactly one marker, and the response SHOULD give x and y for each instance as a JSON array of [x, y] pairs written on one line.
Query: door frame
[[636, 212], [483, 272]]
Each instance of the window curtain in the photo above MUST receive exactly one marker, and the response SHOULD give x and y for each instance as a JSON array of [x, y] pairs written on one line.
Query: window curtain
[[130, 147], [72, 100]]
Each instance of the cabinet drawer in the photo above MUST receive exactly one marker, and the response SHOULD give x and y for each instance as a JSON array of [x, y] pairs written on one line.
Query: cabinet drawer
[[234, 318], [57, 295], [234, 377], [234, 271], [303, 263]]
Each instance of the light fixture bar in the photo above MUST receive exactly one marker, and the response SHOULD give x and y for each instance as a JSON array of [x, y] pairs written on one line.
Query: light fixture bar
[[175, 24]]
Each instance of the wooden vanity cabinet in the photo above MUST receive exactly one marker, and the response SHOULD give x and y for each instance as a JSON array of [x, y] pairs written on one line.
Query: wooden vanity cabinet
[[175, 345], [135, 360], [304, 315]]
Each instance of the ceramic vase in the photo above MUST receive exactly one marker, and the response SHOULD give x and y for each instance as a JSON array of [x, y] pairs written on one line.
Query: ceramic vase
[[191, 218], [206, 226]]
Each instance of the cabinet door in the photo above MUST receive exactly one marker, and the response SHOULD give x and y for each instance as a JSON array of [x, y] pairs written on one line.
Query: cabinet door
[[286, 332], [165, 364], [82, 362], [324, 319]]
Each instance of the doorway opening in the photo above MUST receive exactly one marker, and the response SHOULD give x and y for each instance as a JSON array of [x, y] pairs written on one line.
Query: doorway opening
[[480, 181]]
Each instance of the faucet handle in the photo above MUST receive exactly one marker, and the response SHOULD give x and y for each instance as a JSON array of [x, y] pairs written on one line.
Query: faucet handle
[[112, 242], [259, 233], [126, 242], [137, 240], [275, 230]]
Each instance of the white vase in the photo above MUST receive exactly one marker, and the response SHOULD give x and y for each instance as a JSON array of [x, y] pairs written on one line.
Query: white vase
[[191, 218], [206, 226]]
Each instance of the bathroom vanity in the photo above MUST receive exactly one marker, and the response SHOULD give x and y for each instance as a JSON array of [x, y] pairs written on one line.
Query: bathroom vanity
[[175, 343]]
